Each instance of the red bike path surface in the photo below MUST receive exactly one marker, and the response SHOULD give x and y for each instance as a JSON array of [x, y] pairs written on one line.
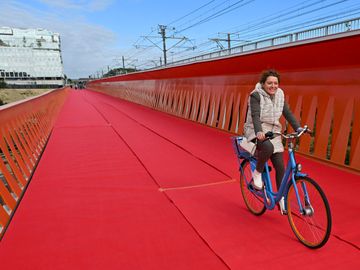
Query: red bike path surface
[[123, 186]]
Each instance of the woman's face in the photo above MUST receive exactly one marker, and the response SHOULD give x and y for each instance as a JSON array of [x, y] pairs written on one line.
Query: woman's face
[[271, 85]]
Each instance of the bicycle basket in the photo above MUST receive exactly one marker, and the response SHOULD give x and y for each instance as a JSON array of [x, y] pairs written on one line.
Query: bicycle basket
[[243, 148]]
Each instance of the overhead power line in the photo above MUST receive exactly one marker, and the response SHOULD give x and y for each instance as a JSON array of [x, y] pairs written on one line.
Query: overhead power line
[[164, 37], [266, 26], [192, 12], [277, 19], [217, 14], [303, 25]]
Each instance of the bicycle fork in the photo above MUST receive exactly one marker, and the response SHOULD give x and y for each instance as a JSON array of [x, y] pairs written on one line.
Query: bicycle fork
[[307, 209]]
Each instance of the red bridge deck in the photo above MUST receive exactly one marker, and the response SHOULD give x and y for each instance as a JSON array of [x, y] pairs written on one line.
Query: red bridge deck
[[121, 186]]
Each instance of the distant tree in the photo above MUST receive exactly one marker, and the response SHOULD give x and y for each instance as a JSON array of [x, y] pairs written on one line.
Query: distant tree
[[119, 71], [2, 83]]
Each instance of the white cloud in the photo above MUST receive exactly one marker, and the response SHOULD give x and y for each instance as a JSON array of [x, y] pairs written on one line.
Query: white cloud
[[94, 5], [86, 48]]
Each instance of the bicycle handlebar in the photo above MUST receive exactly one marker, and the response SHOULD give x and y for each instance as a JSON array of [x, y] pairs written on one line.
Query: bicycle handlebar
[[305, 129]]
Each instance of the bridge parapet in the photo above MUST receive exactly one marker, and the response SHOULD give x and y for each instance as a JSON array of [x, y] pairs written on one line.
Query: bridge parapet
[[25, 128], [320, 79]]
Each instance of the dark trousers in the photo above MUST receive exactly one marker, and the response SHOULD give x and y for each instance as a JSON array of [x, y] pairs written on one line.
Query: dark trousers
[[265, 152]]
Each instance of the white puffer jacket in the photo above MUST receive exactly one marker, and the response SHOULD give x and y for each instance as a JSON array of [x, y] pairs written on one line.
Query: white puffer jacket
[[271, 109]]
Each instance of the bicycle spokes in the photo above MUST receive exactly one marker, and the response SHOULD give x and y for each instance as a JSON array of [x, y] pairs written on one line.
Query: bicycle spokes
[[254, 203], [310, 220]]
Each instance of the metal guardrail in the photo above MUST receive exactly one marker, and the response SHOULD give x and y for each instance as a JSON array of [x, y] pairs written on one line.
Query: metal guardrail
[[322, 31], [24, 130]]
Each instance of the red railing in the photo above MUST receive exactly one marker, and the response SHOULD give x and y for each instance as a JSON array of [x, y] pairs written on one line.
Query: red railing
[[24, 130], [320, 79]]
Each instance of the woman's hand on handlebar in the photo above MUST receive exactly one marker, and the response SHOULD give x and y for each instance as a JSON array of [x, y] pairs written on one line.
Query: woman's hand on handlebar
[[304, 129], [260, 136], [299, 129]]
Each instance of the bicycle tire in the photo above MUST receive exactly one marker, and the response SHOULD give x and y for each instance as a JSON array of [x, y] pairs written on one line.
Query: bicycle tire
[[252, 202], [313, 228]]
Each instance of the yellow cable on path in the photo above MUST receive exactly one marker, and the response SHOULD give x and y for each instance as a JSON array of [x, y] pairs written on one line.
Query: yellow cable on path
[[198, 186]]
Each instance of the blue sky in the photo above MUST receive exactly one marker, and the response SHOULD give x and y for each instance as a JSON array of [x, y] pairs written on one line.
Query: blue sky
[[95, 34]]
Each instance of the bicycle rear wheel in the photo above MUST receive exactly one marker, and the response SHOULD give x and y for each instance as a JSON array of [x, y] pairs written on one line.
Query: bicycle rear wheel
[[252, 202], [312, 226]]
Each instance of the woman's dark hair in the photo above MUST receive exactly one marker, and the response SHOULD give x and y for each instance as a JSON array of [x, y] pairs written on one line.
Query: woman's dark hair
[[267, 73]]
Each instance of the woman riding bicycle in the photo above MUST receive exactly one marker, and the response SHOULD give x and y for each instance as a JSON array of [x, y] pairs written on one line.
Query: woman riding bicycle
[[266, 105]]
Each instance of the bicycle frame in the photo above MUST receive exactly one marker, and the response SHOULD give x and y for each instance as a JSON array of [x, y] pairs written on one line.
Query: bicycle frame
[[269, 196], [290, 175]]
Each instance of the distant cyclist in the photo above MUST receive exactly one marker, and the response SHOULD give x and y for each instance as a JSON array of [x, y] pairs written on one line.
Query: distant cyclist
[[266, 105]]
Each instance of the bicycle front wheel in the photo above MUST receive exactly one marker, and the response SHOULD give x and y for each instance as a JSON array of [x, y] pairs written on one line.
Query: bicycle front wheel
[[252, 202], [311, 222]]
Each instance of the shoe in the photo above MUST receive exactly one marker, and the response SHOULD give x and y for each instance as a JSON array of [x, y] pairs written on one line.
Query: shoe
[[257, 180], [255, 187], [282, 206]]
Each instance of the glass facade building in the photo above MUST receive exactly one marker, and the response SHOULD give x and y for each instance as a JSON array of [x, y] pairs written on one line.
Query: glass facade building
[[30, 57]]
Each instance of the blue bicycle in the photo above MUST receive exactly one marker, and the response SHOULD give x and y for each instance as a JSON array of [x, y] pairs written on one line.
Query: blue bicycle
[[306, 205]]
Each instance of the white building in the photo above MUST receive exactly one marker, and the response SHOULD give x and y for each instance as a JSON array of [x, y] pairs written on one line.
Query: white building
[[30, 57]]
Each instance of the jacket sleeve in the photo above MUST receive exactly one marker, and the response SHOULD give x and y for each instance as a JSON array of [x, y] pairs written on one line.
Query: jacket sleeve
[[255, 111], [289, 116]]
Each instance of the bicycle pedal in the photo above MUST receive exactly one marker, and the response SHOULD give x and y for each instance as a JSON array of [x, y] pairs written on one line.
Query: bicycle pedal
[[283, 212], [268, 201]]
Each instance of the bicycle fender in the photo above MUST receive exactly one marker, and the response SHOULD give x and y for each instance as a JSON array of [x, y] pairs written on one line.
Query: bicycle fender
[[299, 174]]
